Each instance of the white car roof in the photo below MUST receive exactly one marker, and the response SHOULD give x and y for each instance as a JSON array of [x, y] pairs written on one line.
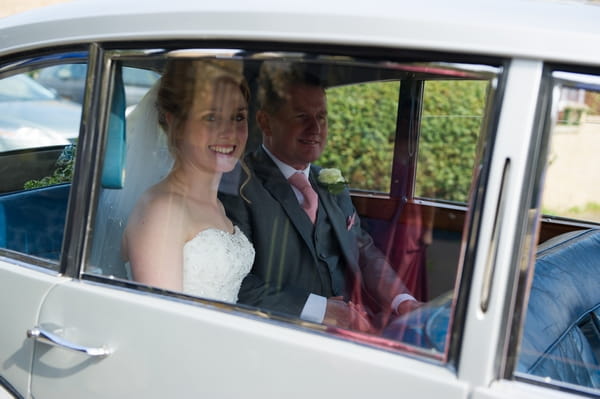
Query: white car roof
[[565, 31]]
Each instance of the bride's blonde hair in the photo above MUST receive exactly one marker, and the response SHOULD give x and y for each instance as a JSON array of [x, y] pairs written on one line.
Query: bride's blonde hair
[[185, 79]]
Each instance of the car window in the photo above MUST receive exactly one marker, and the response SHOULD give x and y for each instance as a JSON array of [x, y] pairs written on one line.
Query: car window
[[33, 116], [443, 172], [561, 339], [569, 191], [64, 71], [23, 88], [38, 136], [137, 82], [291, 257], [66, 80], [453, 112], [368, 123], [139, 77]]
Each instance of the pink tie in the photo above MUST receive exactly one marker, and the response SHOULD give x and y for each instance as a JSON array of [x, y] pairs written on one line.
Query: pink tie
[[311, 200]]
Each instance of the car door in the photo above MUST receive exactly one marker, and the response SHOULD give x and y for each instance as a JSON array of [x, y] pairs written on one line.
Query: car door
[[33, 200], [25, 288], [101, 334], [116, 338]]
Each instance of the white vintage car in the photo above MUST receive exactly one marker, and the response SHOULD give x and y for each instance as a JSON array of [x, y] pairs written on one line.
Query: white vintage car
[[467, 131]]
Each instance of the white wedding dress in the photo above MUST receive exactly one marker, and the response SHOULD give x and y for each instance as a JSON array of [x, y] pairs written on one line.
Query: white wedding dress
[[215, 262]]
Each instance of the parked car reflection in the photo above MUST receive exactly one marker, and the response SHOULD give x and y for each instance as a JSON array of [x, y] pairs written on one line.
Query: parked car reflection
[[68, 81], [33, 116]]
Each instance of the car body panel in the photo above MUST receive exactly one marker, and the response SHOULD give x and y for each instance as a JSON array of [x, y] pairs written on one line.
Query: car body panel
[[15, 348], [519, 28], [4, 394], [214, 353], [519, 390], [171, 346]]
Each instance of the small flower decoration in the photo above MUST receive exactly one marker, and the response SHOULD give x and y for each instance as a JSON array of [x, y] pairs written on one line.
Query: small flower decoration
[[332, 179]]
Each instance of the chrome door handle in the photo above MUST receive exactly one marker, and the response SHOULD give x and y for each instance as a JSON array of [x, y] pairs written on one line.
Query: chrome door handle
[[49, 338]]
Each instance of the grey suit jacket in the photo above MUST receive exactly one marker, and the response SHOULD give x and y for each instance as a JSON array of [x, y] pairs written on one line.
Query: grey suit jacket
[[286, 268]]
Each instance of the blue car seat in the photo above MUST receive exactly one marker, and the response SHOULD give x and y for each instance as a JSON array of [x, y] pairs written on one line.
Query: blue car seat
[[561, 335], [33, 222]]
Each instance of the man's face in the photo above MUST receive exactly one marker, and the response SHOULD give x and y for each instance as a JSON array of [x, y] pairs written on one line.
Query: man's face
[[297, 132]]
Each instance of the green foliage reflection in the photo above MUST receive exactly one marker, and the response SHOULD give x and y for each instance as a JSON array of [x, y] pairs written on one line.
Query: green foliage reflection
[[63, 171], [362, 123], [451, 122]]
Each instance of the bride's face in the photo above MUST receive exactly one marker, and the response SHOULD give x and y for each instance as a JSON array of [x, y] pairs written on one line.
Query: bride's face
[[214, 135]]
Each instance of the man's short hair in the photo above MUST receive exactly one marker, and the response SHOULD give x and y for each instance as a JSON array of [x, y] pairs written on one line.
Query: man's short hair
[[276, 78]]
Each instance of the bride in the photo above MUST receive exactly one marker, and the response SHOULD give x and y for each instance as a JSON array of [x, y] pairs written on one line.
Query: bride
[[178, 236]]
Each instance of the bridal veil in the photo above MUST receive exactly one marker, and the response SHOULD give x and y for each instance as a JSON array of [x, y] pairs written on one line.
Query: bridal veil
[[147, 161]]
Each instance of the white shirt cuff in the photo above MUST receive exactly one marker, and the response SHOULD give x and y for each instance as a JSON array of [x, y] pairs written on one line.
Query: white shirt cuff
[[314, 309], [398, 299]]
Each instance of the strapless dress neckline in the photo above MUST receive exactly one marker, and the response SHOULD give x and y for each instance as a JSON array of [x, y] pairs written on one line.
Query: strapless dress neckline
[[215, 262], [216, 230]]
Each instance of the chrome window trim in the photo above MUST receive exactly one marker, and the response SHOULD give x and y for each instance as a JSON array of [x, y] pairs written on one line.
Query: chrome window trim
[[481, 68], [473, 217], [554, 385], [32, 61], [473, 71], [26, 260], [91, 135], [30, 262], [491, 257], [590, 81]]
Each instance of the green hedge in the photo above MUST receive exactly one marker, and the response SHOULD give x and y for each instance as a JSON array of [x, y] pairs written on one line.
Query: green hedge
[[452, 116], [63, 170], [362, 122]]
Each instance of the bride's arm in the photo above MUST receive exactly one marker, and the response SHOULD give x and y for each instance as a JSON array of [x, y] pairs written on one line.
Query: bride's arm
[[153, 241]]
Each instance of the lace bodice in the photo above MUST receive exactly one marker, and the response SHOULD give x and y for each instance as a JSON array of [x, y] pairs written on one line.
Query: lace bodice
[[215, 262]]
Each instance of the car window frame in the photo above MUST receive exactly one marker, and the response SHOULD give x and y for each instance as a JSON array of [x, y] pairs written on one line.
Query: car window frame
[[21, 63], [104, 55]]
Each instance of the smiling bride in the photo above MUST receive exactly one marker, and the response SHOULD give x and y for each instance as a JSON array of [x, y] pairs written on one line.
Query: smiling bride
[[178, 236]]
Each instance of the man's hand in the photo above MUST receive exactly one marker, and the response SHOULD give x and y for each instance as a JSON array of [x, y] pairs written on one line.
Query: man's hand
[[346, 315]]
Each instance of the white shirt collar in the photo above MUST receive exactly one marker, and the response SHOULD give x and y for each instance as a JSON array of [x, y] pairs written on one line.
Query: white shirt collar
[[286, 169]]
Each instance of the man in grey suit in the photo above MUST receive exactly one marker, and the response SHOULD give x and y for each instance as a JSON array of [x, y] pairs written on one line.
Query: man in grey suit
[[316, 264]]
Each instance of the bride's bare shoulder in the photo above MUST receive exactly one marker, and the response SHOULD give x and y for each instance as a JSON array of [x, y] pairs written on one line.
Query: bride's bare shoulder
[[159, 204]]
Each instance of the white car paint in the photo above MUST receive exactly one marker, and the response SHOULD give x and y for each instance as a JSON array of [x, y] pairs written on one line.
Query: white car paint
[[224, 354], [552, 30]]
